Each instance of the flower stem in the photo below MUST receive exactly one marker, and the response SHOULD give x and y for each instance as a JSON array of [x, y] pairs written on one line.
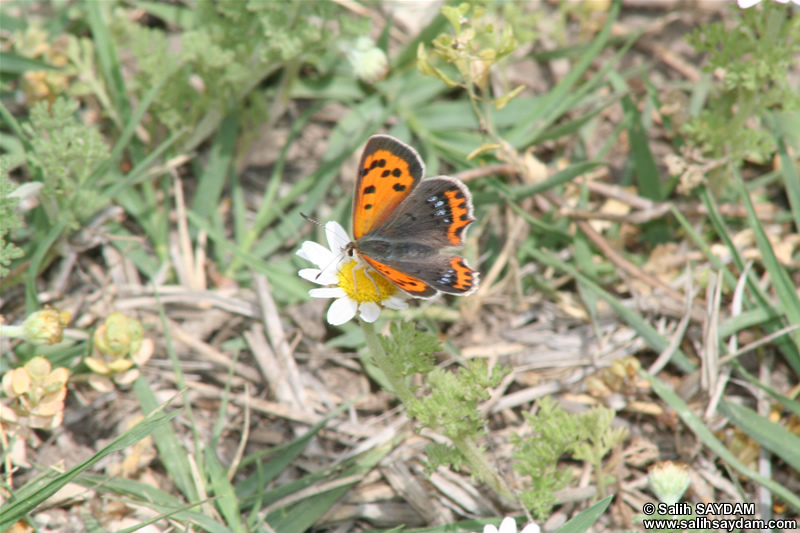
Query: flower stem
[[482, 468], [11, 331], [477, 460]]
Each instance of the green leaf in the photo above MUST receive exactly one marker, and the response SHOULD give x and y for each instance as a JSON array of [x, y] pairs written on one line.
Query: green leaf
[[106, 49], [650, 335], [212, 180], [426, 68], [777, 439], [299, 517], [785, 289], [454, 15], [500, 103], [226, 500], [587, 518], [706, 436], [11, 63], [39, 489], [172, 454], [643, 161]]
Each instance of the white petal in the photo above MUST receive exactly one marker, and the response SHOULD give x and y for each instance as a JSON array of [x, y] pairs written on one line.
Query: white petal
[[327, 292], [744, 4], [489, 528], [310, 274], [341, 311], [337, 236], [531, 528], [393, 302], [329, 275], [508, 525], [316, 253], [370, 311], [331, 270]]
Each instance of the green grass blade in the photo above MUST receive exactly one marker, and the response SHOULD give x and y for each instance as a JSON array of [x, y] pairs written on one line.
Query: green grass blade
[[529, 125], [170, 451], [106, 50], [587, 518], [139, 173], [758, 299], [408, 55], [268, 211], [775, 438], [791, 179], [559, 178], [127, 488], [643, 162], [706, 436], [280, 458], [748, 319], [128, 131], [34, 493], [784, 288], [655, 340], [11, 63], [226, 500], [703, 245], [520, 192], [12, 123], [183, 514], [146, 495], [43, 247], [280, 279], [792, 405], [301, 516], [211, 181], [570, 126]]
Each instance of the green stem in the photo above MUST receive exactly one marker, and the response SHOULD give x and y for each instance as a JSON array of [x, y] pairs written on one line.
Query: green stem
[[482, 468], [477, 460], [11, 331], [601, 480]]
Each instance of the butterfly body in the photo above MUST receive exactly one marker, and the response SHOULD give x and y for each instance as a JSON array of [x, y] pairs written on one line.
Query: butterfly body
[[403, 223]]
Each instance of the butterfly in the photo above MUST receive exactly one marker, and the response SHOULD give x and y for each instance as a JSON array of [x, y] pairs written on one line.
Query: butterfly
[[402, 222]]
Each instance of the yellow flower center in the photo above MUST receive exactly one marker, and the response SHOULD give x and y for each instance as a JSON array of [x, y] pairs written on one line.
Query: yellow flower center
[[363, 284]]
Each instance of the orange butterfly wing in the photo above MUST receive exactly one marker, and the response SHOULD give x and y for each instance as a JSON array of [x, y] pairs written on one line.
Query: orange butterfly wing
[[424, 277], [410, 284], [388, 172]]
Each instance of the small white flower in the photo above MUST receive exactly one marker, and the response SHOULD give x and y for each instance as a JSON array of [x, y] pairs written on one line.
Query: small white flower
[[669, 480], [368, 61], [509, 525], [354, 284]]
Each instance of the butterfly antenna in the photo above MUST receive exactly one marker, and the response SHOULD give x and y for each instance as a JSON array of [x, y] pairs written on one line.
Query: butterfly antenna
[[321, 225]]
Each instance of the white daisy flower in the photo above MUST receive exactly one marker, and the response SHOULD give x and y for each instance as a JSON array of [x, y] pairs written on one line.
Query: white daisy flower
[[356, 286], [509, 525]]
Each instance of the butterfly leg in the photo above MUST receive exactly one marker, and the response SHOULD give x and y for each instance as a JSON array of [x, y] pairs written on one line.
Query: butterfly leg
[[366, 268], [369, 275]]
